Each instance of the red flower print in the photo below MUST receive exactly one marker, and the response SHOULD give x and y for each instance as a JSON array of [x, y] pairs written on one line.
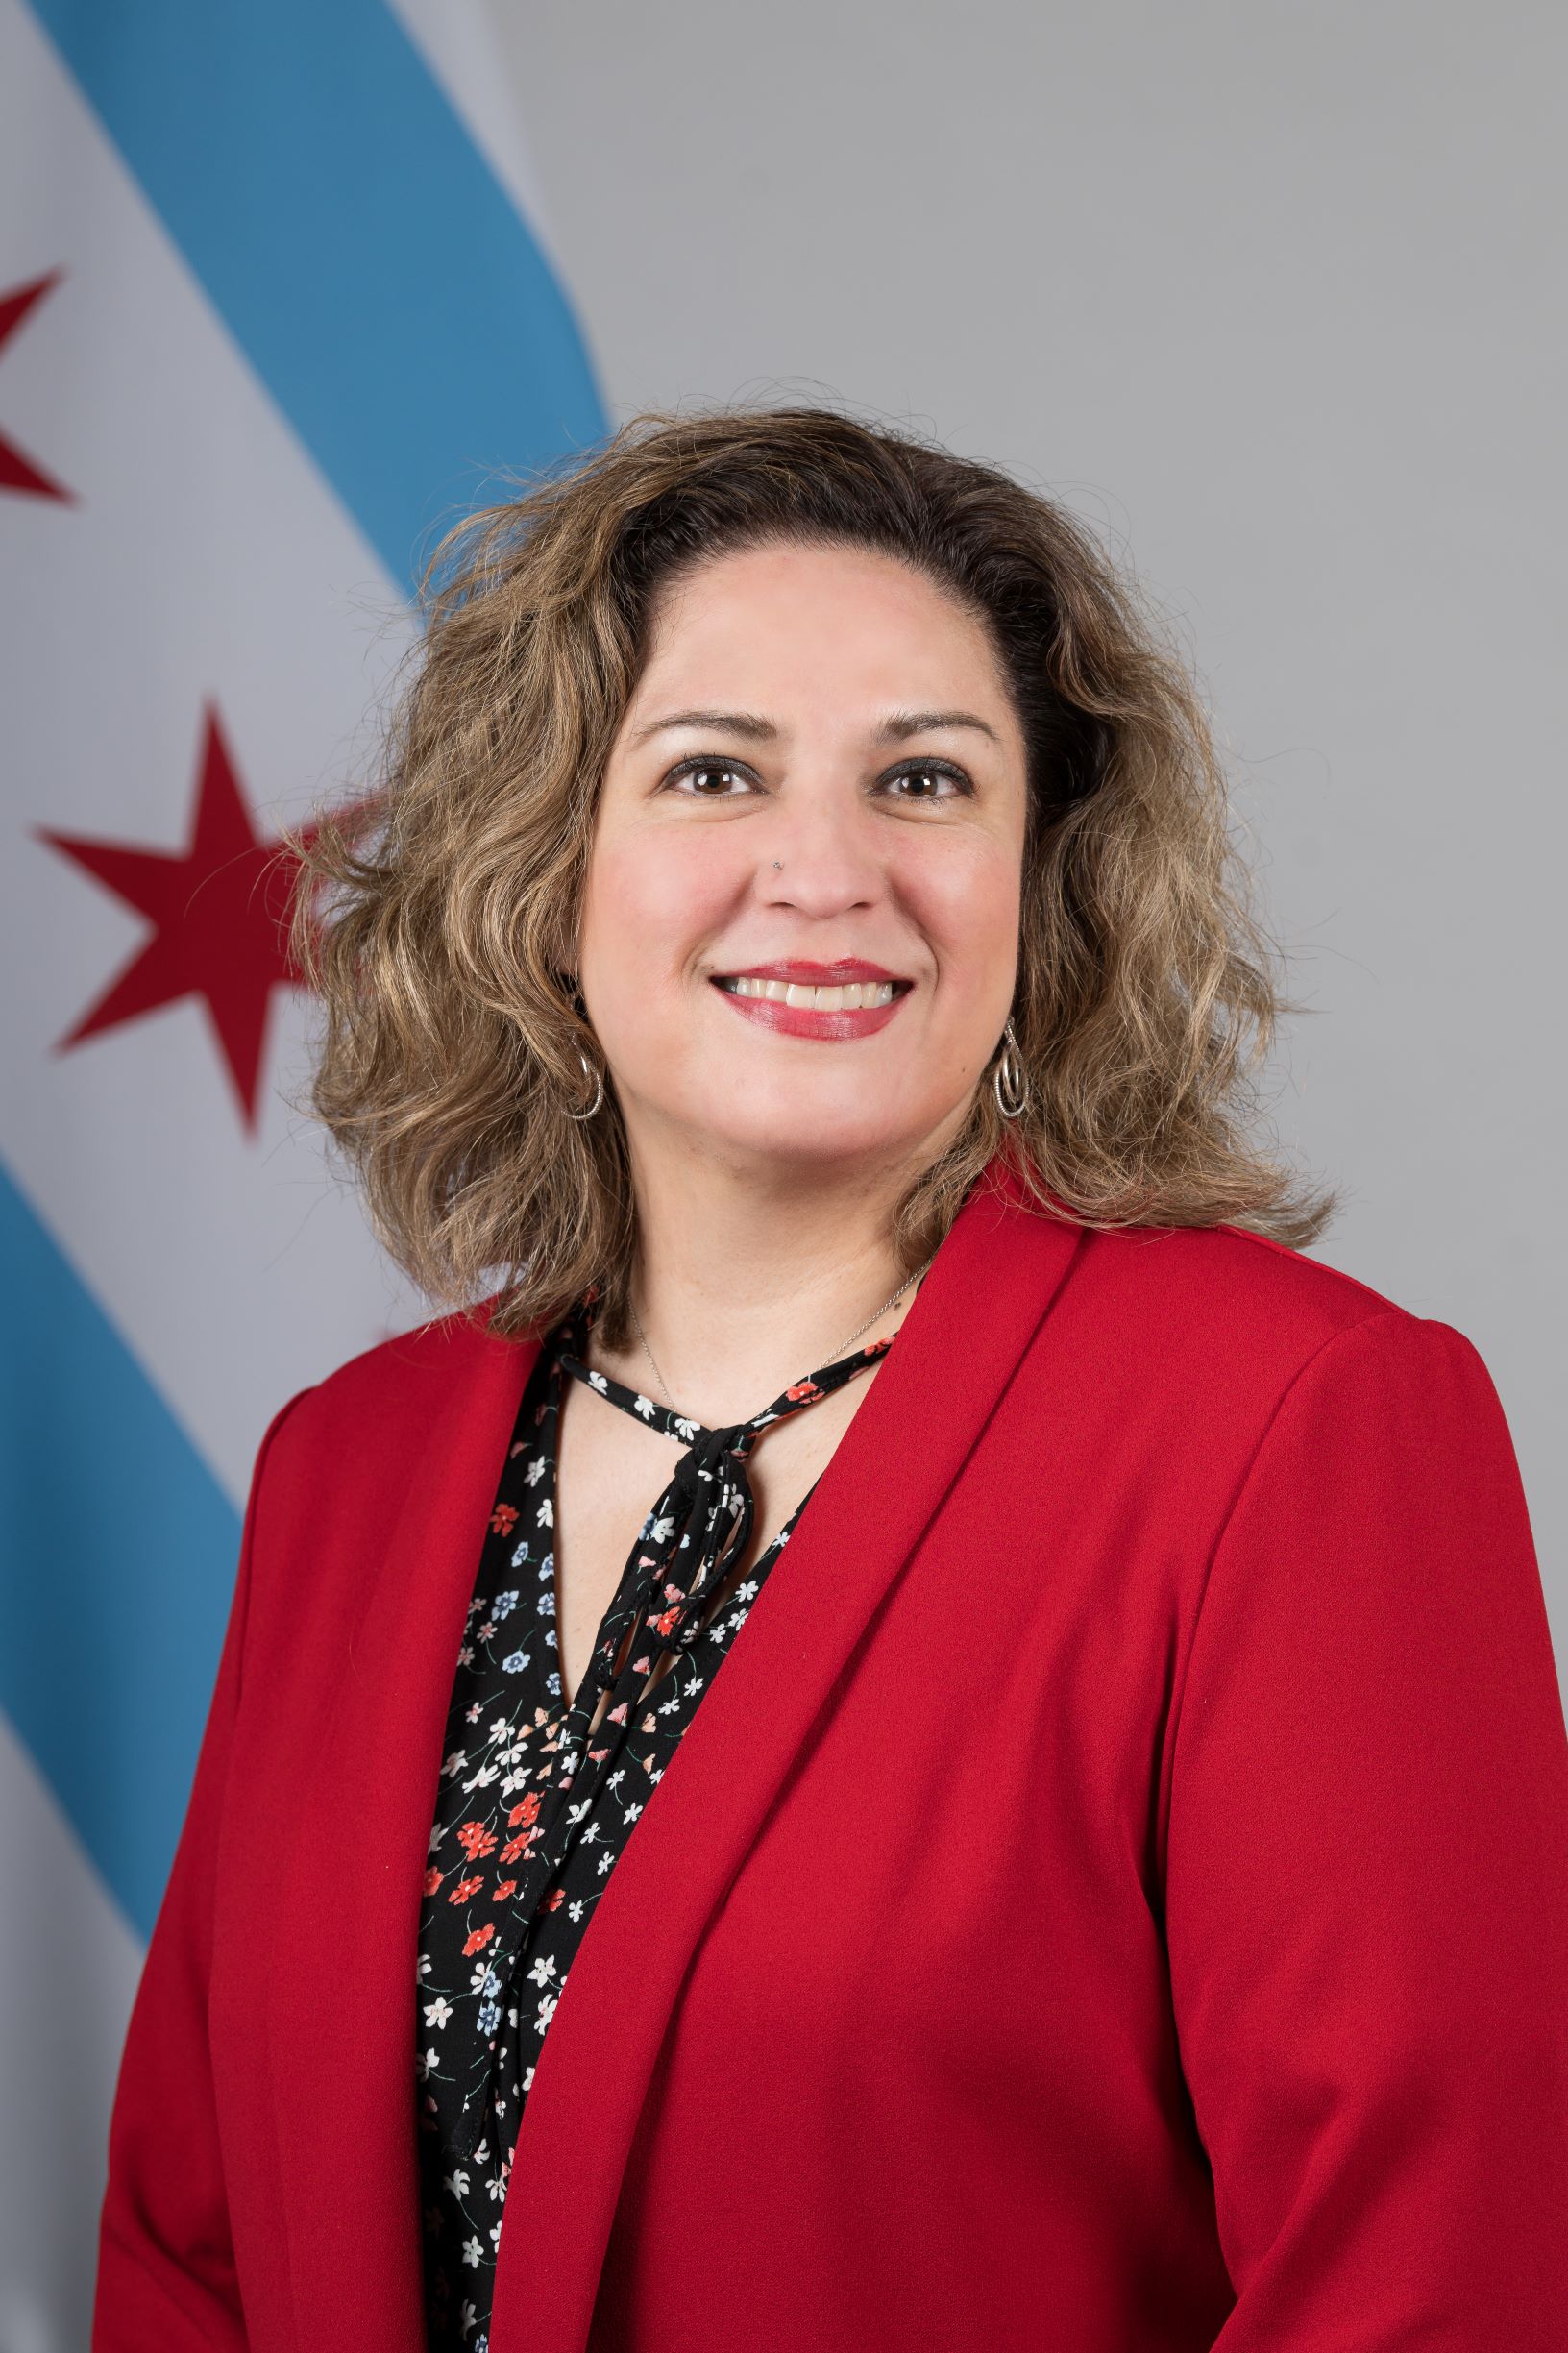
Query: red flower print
[[803, 1390], [665, 1622], [465, 1888], [555, 1898], [528, 1811], [432, 1880], [478, 1939], [503, 1519], [475, 1841], [507, 1887]]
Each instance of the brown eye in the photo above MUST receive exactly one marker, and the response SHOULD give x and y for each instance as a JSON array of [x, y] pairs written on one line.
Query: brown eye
[[942, 770], [702, 773]]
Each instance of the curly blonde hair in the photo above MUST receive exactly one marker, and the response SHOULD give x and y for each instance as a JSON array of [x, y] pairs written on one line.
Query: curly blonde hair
[[435, 915]]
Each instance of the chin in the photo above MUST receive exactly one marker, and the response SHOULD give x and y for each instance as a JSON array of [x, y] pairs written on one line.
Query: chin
[[813, 1136]]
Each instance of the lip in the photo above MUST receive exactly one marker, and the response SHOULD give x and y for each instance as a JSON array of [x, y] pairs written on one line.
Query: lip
[[804, 1021]]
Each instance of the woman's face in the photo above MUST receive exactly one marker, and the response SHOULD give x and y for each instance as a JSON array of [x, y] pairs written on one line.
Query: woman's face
[[852, 790]]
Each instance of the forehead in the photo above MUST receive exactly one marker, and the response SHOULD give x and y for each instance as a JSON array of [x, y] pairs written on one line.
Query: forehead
[[816, 624]]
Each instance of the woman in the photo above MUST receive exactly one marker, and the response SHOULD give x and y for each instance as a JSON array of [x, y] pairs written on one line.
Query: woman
[[1112, 1885]]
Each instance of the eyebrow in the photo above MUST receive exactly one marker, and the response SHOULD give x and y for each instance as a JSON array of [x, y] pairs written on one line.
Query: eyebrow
[[896, 729]]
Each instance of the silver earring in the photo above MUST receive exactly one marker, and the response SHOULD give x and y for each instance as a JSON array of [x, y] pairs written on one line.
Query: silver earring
[[599, 1097], [1015, 1077]]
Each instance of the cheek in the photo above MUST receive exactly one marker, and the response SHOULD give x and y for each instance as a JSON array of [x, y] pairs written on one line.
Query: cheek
[[651, 898], [967, 900]]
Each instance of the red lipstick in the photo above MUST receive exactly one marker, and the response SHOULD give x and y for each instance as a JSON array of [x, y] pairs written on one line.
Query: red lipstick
[[808, 1020]]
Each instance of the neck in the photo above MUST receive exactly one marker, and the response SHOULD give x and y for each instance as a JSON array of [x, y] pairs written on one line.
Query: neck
[[743, 1285]]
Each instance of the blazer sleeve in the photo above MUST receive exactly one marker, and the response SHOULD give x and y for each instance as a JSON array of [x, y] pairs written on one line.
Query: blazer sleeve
[[1367, 1872], [166, 2281]]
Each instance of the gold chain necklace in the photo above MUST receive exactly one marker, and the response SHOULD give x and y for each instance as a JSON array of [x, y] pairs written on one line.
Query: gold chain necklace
[[837, 1352]]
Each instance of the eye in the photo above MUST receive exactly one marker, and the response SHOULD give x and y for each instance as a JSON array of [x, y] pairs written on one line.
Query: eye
[[699, 768], [702, 768], [945, 769]]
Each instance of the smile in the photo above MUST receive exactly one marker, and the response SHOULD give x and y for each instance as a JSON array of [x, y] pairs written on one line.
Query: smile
[[798, 1010]]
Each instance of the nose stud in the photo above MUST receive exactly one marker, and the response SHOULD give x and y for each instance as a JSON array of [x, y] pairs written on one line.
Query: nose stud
[[778, 865]]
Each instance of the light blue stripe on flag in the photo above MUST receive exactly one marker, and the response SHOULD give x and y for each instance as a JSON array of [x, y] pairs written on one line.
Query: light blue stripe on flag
[[361, 250], [391, 299], [121, 1553]]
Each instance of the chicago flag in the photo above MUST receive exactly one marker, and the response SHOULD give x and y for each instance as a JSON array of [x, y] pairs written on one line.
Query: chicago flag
[[276, 306]]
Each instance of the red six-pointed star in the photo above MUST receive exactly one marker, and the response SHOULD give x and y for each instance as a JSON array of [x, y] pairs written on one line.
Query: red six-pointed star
[[16, 471], [219, 911]]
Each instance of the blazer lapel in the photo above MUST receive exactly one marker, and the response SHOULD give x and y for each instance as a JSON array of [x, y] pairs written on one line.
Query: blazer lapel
[[342, 2002], [990, 1285]]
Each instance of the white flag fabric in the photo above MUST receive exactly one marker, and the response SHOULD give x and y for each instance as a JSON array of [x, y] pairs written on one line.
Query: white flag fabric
[[274, 303]]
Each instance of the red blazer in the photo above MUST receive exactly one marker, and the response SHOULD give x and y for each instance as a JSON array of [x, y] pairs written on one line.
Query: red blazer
[[1113, 1894]]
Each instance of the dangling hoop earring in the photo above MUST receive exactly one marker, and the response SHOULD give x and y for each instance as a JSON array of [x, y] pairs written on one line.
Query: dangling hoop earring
[[599, 1097], [1016, 1078], [588, 1070]]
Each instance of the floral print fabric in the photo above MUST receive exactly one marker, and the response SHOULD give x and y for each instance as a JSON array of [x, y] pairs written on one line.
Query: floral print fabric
[[537, 1797]]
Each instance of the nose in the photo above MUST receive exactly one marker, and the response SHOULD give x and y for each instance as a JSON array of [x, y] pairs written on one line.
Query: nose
[[820, 859]]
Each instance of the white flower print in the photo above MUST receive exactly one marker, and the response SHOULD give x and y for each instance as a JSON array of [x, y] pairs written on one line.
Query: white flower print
[[508, 1799]]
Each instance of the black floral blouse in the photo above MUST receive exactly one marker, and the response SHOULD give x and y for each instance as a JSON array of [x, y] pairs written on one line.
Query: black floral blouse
[[536, 1797]]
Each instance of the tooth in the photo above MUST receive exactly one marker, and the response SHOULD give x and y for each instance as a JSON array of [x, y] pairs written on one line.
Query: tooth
[[775, 992], [795, 994], [853, 995]]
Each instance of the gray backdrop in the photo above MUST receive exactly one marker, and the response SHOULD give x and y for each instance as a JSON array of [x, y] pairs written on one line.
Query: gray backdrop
[[1269, 295]]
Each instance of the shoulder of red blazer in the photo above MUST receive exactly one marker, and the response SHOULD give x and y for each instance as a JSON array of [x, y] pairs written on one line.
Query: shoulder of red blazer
[[1222, 1321], [1221, 1291], [1240, 1287], [370, 1406]]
